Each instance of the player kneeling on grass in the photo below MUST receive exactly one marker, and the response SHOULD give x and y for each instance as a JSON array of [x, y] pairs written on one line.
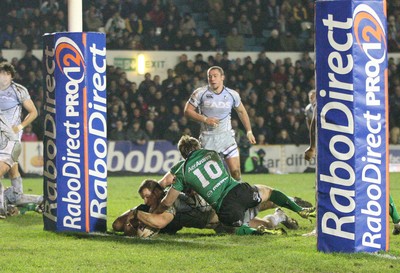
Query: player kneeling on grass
[[189, 210], [235, 203]]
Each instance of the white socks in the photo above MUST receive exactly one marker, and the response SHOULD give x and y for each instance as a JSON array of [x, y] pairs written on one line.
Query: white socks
[[275, 218], [2, 200], [17, 184]]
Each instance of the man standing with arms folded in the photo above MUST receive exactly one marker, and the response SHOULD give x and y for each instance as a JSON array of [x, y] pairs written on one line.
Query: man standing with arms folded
[[211, 105]]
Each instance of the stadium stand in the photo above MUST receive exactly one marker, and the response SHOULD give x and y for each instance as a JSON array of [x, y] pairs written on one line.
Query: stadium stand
[[284, 83]]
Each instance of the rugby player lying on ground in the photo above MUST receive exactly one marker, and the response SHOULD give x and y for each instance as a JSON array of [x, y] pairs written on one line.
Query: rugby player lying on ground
[[235, 203], [252, 221], [189, 210]]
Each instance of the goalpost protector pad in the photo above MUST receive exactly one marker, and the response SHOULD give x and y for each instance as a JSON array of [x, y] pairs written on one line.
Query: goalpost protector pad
[[75, 132], [352, 123]]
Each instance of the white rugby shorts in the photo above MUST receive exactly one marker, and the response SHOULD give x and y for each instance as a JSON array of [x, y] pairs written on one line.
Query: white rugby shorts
[[223, 143], [10, 153]]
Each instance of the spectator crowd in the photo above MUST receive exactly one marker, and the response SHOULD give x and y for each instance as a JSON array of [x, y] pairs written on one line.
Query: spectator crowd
[[274, 93], [209, 25]]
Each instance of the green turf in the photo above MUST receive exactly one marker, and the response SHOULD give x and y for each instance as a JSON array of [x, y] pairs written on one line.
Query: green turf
[[25, 247]]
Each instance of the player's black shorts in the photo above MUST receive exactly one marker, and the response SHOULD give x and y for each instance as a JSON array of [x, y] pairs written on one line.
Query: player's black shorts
[[236, 202]]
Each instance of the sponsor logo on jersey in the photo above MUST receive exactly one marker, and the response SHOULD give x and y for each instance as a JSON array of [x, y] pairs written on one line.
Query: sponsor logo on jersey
[[217, 104]]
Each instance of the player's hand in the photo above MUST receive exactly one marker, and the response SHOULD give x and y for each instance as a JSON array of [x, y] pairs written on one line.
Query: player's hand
[[131, 219], [17, 128], [309, 154], [131, 224], [214, 122], [131, 215], [251, 137]]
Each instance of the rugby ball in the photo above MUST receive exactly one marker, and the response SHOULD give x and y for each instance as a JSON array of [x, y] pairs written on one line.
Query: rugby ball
[[144, 231]]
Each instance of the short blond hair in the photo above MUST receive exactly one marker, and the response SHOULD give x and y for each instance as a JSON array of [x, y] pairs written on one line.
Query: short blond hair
[[215, 67], [188, 144]]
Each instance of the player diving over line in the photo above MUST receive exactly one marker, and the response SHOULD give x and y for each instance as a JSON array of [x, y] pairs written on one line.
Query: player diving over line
[[246, 210]]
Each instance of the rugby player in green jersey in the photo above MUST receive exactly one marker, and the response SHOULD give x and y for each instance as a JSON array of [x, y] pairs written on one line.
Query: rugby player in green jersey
[[189, 210], [235, 203]]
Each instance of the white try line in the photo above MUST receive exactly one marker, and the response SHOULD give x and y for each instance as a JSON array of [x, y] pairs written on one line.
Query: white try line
[[385, 256]]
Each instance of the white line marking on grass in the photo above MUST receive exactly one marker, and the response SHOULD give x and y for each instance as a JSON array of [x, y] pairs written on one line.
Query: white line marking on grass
[[385, 256], [199, 242], [156, 238]]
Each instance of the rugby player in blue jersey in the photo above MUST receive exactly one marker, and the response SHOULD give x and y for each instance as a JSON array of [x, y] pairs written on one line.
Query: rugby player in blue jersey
[[13, 98], [211, 105], [10, 150]]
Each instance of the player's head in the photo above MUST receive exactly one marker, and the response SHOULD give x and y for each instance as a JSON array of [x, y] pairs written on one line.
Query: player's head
[[151, 192], [216, 69], [311, 95], [7, 68], [216, 77], [188, 144]]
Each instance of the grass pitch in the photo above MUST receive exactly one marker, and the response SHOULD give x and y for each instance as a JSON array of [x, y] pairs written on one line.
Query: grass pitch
[[25, 247]]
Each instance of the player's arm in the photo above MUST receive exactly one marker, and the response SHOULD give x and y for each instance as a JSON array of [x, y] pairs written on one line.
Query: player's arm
[[190, 112], [120, 222], [310, 151], [168, 200], [32, 114], [158, 221], [167, 180], [244, 118]]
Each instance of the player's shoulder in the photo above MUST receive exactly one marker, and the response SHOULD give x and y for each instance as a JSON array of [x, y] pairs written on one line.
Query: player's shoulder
[[230, 90], [235, 94], [20, 90], [197, 95], [206, 153], [177, 166], [18, 87], [200, 90], [193, 157]]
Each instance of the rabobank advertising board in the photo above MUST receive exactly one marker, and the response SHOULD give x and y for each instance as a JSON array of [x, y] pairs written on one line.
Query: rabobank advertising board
[[352, 158], [75, 138]]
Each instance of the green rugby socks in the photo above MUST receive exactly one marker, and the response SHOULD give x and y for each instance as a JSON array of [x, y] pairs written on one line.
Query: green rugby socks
[[393, 211], [282, 200]]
